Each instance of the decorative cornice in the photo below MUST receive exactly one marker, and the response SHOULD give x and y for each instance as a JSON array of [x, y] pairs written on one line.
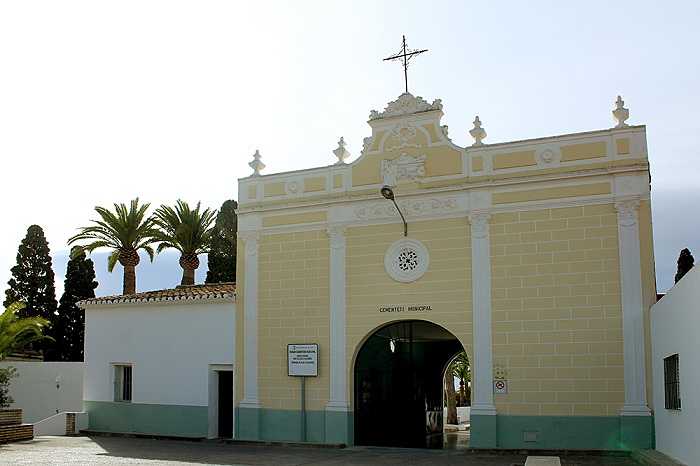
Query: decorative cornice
[[406, 104]]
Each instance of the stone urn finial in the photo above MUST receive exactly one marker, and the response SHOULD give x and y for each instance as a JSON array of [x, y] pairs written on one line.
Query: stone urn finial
[[341, 152], [256, 164], [620, 113], [477, 132]]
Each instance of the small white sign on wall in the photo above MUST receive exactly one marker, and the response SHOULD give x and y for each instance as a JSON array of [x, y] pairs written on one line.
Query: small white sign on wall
[[500, 387], [302, 360]]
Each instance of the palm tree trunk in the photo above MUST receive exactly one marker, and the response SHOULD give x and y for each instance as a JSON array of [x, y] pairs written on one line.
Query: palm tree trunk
[[129, 279], [451, 401], [187, 276]]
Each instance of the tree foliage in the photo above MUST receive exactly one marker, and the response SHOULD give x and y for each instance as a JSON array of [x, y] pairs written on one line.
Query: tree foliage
[[32, 281], [6, 376], [17, 332], [126, 231], [458, 369], [187, 230], [222, 255], [69, 329]]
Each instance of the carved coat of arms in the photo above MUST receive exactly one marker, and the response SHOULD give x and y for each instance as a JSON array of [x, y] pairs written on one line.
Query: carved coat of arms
[[403, 168]]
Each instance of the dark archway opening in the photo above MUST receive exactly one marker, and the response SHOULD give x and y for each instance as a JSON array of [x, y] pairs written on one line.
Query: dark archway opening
[[399, 377]]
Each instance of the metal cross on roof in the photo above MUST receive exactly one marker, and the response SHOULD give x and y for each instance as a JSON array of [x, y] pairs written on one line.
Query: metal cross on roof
[[404, 56]]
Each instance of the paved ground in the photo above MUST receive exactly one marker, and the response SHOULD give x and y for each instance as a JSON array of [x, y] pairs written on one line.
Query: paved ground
[[118, 450]]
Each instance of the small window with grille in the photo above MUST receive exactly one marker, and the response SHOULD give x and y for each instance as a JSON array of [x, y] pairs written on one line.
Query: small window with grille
[[122, 382], [672, 384]]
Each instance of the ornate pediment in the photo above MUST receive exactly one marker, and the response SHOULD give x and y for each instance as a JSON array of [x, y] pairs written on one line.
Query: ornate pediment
[[406, 104], [403, 168]]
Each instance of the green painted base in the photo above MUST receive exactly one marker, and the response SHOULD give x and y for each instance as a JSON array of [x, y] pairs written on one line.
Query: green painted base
[[637, 432], [248, 423], [484, 433], [571, 432], [279, 425], [339, 427], [141, 418]]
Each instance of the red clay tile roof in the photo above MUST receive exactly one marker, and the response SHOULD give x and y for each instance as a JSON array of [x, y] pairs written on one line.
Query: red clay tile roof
[[225, 291]]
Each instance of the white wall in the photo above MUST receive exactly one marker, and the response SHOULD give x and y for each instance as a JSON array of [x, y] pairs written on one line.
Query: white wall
[[35, 392], [170, 345], [675, 326], [462, 414]]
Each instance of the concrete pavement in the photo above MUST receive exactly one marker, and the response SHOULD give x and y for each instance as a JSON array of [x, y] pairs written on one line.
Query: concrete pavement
[[119, 450]]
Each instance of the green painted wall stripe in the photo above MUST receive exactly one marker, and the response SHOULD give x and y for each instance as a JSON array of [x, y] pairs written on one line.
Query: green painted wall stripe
[[551, 432], [142, 418], [575, 432], [285, 425], [483, 431]]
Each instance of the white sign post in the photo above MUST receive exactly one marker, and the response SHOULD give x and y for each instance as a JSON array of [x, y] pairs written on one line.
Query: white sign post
[[302, 361]]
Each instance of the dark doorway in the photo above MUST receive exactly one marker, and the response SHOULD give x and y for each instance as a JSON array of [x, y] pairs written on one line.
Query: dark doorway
[[399, 385], [225, 413]]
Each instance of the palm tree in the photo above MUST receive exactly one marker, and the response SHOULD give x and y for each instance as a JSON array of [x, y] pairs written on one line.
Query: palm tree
[[450, 397], [460, 369], [187, 230], [16, 332], [126, 230]]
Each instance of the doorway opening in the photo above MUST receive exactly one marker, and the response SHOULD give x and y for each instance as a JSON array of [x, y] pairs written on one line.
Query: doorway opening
[[221, 412], [225, 404], [399, 384]]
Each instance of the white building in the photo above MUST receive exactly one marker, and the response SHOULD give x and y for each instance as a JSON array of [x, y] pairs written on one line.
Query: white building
[[675, 325], [155, 362], [45, 388]]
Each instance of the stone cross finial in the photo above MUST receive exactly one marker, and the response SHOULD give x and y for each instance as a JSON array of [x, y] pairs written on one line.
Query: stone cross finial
[[256, 164], [620, 113], [477, 132], [341, 152]]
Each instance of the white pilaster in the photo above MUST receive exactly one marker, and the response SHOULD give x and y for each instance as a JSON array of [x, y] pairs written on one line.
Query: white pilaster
[[338, 371], [632, 308], [250, 320], [482, 398]]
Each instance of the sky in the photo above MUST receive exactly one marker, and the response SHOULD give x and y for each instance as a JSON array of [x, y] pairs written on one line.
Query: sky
[[101, 102]]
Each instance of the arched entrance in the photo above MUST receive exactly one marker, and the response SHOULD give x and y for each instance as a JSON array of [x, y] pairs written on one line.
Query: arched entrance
[[399, 385]]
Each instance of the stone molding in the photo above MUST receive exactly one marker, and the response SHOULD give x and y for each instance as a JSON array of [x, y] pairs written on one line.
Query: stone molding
[[411, 208]]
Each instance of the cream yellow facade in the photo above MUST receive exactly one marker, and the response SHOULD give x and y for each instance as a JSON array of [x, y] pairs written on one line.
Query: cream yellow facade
[[536, 256]]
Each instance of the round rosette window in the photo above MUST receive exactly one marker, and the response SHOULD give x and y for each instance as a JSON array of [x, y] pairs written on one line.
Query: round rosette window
[[406, 260]]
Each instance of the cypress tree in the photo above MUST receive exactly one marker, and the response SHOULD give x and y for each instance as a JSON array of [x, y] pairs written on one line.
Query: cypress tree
[[32, 281], [685, 263], [222, 255], [69, 330]]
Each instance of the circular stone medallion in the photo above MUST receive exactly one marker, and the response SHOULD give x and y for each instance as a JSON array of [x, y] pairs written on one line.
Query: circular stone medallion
[[406, 260]]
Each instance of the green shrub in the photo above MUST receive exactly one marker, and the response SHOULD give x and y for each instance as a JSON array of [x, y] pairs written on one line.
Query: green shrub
[[6, 376]]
